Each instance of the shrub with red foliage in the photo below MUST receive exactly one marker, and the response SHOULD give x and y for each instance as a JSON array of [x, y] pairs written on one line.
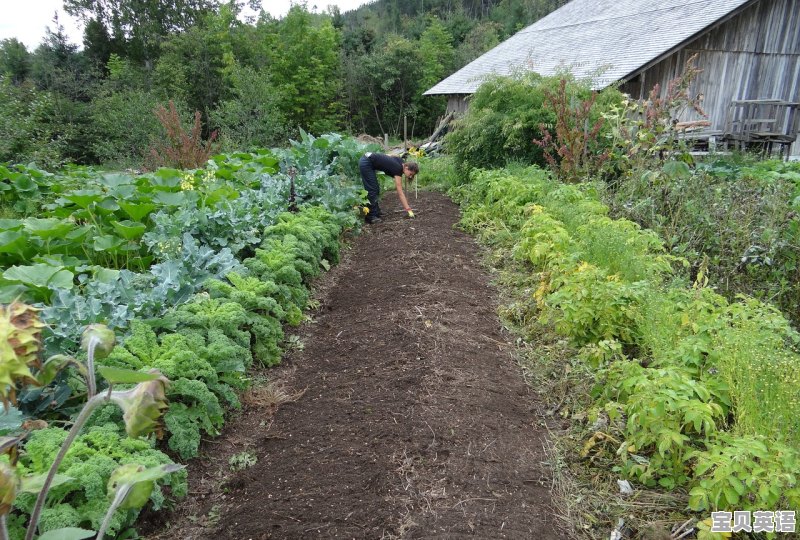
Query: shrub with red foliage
[[571, 153], [178, 148]]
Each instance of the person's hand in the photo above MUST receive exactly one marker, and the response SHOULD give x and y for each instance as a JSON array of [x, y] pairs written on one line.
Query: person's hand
[[410, 212]]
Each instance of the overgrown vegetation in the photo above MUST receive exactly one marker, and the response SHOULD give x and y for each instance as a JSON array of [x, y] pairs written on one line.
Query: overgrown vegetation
[[690, 390], [736, 215]]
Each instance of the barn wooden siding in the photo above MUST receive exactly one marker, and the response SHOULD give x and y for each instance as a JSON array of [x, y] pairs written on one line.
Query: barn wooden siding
[[753, 55], [457, 103]]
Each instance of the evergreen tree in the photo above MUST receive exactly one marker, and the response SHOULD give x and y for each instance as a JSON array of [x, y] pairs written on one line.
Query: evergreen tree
[[15, 60]]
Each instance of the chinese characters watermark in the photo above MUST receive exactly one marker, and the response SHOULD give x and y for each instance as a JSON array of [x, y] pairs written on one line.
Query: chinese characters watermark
[[782, 521]]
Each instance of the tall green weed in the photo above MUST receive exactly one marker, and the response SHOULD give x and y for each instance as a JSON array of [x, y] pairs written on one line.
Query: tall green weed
[[623, 248], [743, 219], [573, 205], [757, 358], [677, 327], [438, 173]]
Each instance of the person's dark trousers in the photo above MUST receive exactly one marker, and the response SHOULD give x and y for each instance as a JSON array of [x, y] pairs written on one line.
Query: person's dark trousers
[[370, 180]]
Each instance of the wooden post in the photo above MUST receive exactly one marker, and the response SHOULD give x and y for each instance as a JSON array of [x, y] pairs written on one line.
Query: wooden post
[[385, 141], [405, 132]]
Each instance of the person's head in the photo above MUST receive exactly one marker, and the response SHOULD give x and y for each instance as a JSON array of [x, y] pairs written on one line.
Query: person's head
[[410, 169]]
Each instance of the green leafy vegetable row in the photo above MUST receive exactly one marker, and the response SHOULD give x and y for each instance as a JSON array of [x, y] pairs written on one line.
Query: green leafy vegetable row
[[214, 337]]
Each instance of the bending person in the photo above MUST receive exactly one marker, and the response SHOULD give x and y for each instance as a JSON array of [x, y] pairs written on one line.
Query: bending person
[[394, 167]]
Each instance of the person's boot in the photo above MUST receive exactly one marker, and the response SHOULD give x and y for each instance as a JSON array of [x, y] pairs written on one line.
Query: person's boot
[[374, 214]]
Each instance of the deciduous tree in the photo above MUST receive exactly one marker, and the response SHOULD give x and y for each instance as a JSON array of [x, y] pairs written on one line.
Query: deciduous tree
[[305, 66]]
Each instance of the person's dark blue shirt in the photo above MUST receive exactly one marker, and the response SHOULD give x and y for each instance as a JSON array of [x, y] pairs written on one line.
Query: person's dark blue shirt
[[393, 166]]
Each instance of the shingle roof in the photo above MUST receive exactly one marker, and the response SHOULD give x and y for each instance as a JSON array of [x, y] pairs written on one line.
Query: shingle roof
[[604, 39]]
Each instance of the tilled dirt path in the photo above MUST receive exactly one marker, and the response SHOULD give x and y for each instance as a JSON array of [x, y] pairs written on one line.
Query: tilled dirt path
[[415, 422]]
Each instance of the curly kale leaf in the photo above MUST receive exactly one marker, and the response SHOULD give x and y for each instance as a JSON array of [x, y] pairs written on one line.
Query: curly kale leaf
[[223, 353], [193, 407], [268, 333], [253, 294], [213, 313], [316, 228], [275, 265], [226, 392], [171, 354]]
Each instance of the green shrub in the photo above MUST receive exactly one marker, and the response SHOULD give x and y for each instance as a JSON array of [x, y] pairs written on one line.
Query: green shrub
[[747, 346], [666, 410], [502, 194], [503, 119], [588, 304], [745, 473], [252, 117], [506, 115], [29, 131], [486, 215], [124, 125], [543, 239]]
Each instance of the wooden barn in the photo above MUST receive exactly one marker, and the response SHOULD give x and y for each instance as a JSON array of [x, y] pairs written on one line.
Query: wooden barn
[[749, 51]]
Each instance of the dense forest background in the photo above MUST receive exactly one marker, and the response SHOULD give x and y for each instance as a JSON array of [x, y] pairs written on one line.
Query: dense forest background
[[254, 80]]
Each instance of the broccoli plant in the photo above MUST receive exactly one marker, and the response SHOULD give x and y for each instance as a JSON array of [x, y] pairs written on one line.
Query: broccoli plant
[[142, 405]]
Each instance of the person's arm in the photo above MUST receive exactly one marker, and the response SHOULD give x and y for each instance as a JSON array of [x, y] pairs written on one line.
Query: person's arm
[[398, 183]]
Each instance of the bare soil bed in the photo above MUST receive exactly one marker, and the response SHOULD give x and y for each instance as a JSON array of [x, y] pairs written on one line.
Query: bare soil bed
[[415, 421]]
